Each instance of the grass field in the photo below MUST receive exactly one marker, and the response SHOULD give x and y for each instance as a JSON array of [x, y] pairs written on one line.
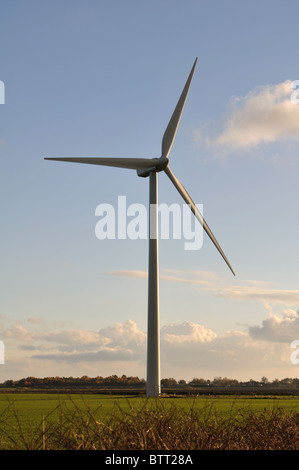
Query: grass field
[[33, 406], [42, 420]]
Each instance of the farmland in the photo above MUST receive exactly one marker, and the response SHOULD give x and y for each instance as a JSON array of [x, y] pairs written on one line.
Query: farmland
[[36, 405], [55, 420]]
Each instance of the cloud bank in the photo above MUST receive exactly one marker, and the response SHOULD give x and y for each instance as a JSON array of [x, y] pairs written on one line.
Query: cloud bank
[[282, 328], [188, 350], [122, 341]]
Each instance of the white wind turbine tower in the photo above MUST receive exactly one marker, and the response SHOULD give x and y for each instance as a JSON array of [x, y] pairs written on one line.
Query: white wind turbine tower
[[150, 167]]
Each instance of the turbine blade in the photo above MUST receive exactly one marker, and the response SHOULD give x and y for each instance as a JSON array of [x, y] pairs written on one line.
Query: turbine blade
[[130, 163], [185, 195], [171, 129]]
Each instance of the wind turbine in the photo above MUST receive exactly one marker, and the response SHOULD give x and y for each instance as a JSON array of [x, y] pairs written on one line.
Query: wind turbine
[[149, 167]]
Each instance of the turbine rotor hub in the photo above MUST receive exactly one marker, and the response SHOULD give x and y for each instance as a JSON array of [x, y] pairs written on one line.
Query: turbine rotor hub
[[162, 163], [159, 164]]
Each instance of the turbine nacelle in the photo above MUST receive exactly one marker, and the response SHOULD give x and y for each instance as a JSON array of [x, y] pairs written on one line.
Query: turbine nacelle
[[159, 164]]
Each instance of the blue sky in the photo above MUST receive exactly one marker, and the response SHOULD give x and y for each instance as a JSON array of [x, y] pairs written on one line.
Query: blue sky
[[100, 78]]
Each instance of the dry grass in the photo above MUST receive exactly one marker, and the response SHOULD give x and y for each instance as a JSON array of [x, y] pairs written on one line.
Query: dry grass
[[152, 427]]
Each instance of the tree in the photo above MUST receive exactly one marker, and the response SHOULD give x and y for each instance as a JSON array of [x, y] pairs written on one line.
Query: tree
[[168, 382], [8, 383], [198, 382]]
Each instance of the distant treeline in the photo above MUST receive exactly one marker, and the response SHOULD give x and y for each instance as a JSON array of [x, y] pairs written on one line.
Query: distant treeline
[[136, 382]]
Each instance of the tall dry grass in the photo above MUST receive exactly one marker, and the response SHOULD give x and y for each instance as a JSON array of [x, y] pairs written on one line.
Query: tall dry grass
[[154, 427]]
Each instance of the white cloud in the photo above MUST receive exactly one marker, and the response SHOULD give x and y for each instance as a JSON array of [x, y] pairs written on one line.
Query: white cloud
[[19, 333], [203, 278], [129, 273], [278, 328], [35, 320], [73, 339], [265, 115], [105, 354], [124, 334], [186, 333], [266, 295], [121, 340], [239, 290]]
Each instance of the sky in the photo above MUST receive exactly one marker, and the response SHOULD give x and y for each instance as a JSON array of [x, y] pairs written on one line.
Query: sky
[[98, 78]]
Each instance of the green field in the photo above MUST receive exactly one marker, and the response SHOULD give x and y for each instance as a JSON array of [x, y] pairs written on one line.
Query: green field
[[32, 407], [26, 418]]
